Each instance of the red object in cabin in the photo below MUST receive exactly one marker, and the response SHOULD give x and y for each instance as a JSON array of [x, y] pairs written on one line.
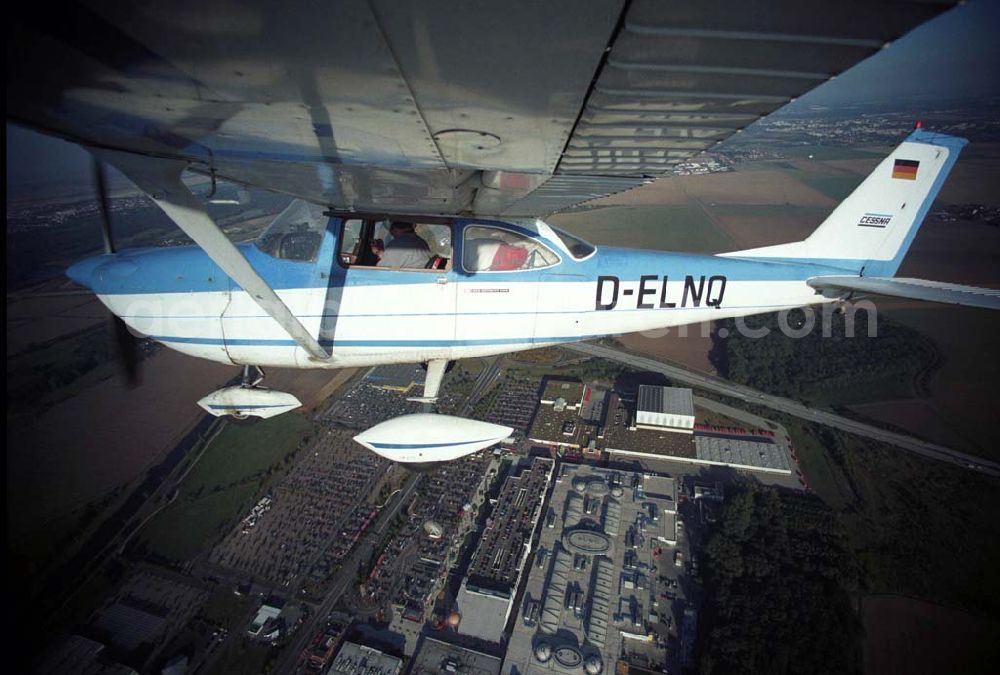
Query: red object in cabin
[[509, 257]]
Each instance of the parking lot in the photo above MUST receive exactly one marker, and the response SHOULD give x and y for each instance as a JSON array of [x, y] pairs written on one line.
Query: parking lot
[[315, 514]]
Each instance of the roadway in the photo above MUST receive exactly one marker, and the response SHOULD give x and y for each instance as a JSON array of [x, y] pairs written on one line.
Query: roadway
[[363, 550], [721, 386]]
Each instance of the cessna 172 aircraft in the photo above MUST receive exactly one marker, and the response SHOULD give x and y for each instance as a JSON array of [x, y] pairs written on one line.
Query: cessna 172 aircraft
[[422, 160]]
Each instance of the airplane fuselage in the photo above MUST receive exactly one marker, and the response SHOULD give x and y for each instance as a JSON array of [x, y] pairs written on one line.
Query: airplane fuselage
[[371, 315]]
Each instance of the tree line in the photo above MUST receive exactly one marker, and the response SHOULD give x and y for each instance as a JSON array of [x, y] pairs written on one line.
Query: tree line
[[778, 582]]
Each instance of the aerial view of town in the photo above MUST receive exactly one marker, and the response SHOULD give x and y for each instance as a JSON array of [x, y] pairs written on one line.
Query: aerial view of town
[[693, 501]]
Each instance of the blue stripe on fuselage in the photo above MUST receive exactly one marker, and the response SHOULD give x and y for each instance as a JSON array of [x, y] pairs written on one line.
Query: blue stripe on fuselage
[[190, 270], [255, 342], [423, 446]]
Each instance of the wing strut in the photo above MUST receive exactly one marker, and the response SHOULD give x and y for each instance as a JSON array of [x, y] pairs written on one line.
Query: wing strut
[[161, 180]]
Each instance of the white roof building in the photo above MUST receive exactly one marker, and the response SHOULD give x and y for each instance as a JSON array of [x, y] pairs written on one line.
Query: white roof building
[[668, 408]]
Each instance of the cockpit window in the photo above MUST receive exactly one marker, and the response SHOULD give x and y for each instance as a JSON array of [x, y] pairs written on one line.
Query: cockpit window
[[395, 244], [491, 249], [577, 247], [296, 234]]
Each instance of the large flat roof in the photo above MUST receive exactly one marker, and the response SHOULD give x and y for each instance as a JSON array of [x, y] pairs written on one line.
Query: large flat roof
[[665, 400], [570, 391], [436, 657], [482, 615], [654, 442], [577, 586], [496, 562], [355, 659], [763, 455]]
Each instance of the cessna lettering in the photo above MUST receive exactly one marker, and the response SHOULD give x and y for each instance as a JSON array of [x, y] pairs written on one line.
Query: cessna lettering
[[651, 292], [874, 220]]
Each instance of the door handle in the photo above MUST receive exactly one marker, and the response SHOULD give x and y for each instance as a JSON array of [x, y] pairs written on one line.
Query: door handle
[[442, 280]]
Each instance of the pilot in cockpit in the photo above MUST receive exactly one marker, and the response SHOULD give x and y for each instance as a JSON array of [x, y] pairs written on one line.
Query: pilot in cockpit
[[406, 249]]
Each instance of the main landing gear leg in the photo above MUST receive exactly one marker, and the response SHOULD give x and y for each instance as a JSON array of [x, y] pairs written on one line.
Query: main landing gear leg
[[252, 376], [436, 369]]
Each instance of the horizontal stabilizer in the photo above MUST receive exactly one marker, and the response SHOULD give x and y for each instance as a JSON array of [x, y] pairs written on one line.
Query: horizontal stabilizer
[[915, 289]]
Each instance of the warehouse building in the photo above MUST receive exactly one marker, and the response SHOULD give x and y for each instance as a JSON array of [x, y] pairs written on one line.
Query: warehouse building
[[355, 659], [436, 657], [665, 408]]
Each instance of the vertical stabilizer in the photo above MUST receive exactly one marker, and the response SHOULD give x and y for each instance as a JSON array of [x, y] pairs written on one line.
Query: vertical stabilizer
[[870, 232]]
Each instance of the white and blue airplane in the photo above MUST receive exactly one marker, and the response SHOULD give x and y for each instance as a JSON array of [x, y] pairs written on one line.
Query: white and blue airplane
[[373, 112], [493, 286]]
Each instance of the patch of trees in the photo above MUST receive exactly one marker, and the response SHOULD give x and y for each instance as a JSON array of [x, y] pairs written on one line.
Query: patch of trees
[[778, 578], [812, 366]]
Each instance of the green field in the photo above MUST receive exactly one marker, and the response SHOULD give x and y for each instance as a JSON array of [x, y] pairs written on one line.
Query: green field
[[244, 657], [181, 531], [664, 228], [222, 485], [240, 453], [806, 214], [835, 186], [227, 609]]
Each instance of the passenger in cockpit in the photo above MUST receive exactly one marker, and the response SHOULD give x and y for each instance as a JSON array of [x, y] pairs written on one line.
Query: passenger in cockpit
[[405, 249]]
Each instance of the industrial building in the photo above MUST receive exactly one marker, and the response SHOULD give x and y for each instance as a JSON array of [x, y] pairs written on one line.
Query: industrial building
[[355, 659], [267, 624], [557, 423], [562, 394], [487, 592], [737, 453], [594, 594], [757, 454], [435, 657], [668, 408]]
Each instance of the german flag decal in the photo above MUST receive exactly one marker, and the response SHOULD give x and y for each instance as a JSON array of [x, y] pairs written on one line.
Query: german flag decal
[[905, 169]]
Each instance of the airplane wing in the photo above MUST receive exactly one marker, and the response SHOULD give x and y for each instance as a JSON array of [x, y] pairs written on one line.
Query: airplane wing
[[914, 289], [430, 106]]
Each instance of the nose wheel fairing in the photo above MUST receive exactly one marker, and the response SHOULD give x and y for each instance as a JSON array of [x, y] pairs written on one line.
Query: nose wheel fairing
[[242, 402]]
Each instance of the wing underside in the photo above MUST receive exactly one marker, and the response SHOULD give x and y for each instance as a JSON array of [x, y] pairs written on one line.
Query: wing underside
[[515, 108]]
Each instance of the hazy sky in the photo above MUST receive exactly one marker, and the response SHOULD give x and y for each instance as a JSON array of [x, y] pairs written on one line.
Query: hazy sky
[[955, 55], [34, 158]]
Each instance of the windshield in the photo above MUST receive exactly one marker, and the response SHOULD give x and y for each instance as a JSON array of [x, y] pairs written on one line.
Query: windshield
[[577, 247], [296, 233]]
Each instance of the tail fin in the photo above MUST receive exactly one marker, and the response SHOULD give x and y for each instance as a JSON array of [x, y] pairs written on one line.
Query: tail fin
[[871, 230]]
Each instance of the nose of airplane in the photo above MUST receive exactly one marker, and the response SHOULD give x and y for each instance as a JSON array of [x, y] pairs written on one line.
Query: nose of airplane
[[83, 272]]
